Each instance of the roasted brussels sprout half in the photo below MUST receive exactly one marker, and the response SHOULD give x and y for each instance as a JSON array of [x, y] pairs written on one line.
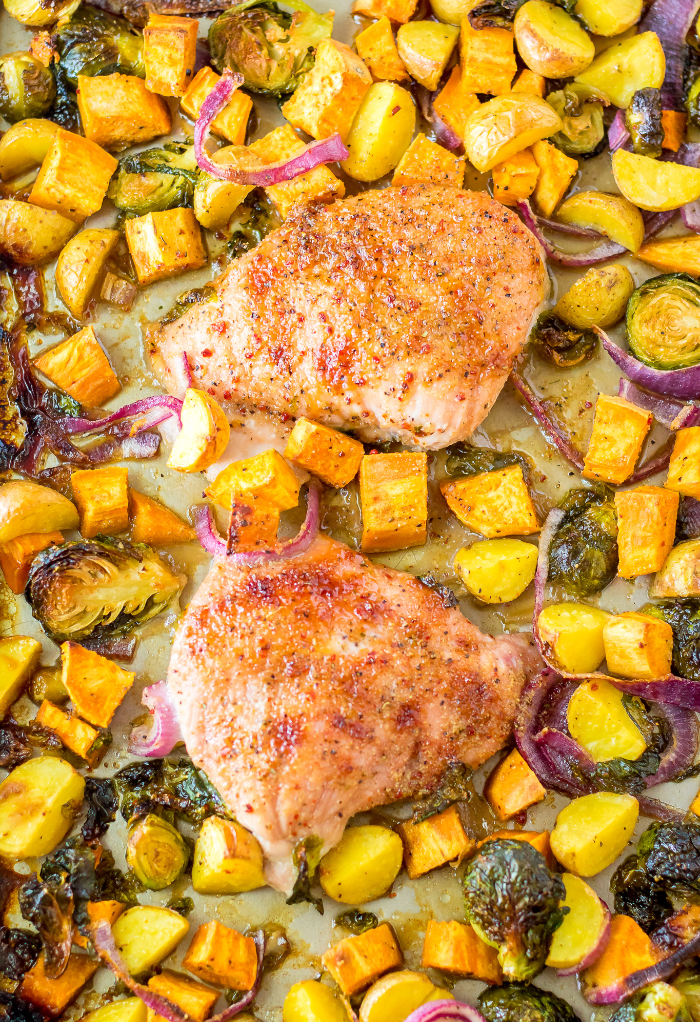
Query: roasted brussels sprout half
[[254, 219], [464, 459], [155, 852], [514, 1002], [583, 552], [581, 110], [102, 587], [670, 853], [560, 344], [154, 180], [19, 950], [688, 982], [643, 119], [92, 42], [638, 895], [27, 87], [684, 618], [172, 788], [195, 296], [663, 321], [270, 48], [512, 901], [47, 684], [659, 1002], [494, 14]]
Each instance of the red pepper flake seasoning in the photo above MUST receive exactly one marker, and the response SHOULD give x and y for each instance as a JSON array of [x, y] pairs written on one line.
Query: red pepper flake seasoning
[[207, 353], [395, 110]]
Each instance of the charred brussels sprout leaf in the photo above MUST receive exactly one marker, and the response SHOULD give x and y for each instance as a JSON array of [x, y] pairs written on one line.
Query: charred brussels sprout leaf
[[16, 741], [168, 789], [639, 896], [684, 618], [514, 1002], [494, 14], [455, 786], [253, 221], [155, 852], [663, 321], [98, 587], [583, 553], [465, 460], [155, 180], [183, 906], [560, 344], [92, 42], [270, 48], [19, 950], [307, 855], [643, 120], [670, 854], [659, 1001], [356, 922], [102, 803], [27, 87], [512, 901], [48, 904], [197, 296], [581, 110]]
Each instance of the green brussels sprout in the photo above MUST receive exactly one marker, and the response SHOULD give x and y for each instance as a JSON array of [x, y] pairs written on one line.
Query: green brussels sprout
[[514, 1002], [155, 852], [98, 587], [154, 180], [92, 42], [659, 1002], [688, 982], [581, 110], [684, 618], [254, 219], [583, 552], [271, 49], [195, 296], [463, 459], [512, 901], [643, 120], [560, 344], [176, 788], [663, 321], [670, 853], [47, 684], [640, 896], [494, 14], [27, 87]]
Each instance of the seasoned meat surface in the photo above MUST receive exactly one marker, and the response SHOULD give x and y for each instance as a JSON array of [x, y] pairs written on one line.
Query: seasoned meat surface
[[313, 688], [136, 11], [394, 313]]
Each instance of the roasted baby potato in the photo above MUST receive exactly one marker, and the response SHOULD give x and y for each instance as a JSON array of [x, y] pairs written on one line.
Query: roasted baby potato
[[28, 507], [30, 235], [362, 866], [425, 48], [204, 435], [592, 831], [146, 934], [19, 655], [598, 720], [452, 12], [497, 570], [227, 859], [132, 1009], [381, 132], [40, 12], [583, 928], [626, 67], [25, 145], [550, 41], [32, 800], [603, 17], [573, 632], [215, 201], [505, 125], [311, 1001], [612, 215], [653, 185], [598, 298], [397, 995], [80, 266], [680, 574]]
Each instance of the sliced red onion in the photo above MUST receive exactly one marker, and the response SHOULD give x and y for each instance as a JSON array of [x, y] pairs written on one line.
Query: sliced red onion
[[143, 445], [682, 749], [444, 134], [618, 135], [689, 152], [598, 254], [566, 746], [657, 464], [690, 215], [159, 402], [325, 150], [443, 1011], [668, 691], [670, 412], [207, 534], [163, 733], [671, 20], [534, 698], [551, 524], [656, 810], [554, 433], [655, 222], [623, 988], [690, 513], [684, 383], [577, 232]]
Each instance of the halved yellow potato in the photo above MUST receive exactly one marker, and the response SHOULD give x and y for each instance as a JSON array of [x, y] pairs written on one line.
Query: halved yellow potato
[[25, 145], [146, 934], [132, 1009], [680, 573], [40, 12], [598, 721], [33, 799], [30, 235], [204, 435], [215, 201], [573, 633], [653, 185], [584, 928], [622, 69], [425, 48], [311, 1001], [80, 266], [505, 125], [227, 859], [612, 215], [550, 41], [28, 507], [19, 657], [381, 132], [592, 831], [452, 12], [497, 570], [598, 298], [362, 866], [398, 994], [609, 17]]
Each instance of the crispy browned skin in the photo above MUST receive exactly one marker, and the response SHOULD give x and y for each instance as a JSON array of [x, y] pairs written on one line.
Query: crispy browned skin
[[314, 688], [395, 313]]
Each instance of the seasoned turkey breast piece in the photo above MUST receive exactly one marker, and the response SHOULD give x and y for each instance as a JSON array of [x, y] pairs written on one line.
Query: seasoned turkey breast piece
[[394, 313], [314, 688]]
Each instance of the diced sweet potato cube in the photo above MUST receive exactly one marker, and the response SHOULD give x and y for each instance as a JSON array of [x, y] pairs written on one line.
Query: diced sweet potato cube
[[456, 947], [165, 244], [638, 645], [673, 123], [98, 910], [530, 82], [265, 478], [95, 684], [514, 180], [332, 456], [80, 366], [253, 526], [646, 523], [318, 183], [557, 171], [75, 734], [684, 467], [487, 59], [396, 10], [426, 162], [538, 839], [155, 524], [232, 122], [118, 110], [54, 995], [356, 962], [74, 177], [223, 957], [377, 48], [628, 949], [673, 255], [513, 787], [456, 102], [194, 998], [42, 48], [394, 498], [169, 53], [102, 498], [330, 94], [619, 430], [493, 503], [435, 841], [16, 556]]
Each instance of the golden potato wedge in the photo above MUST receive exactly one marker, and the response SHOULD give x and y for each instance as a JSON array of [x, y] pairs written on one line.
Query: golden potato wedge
[[612, 215], [425, 47], [30, 235], [452, 12], [132, 1009], [573, 633], [19, 656], [585, 924], [381, 132], [505, 125], [227, 859], [28, 507], [598, 720], [622, 69], [398, 994], [607, 18], [550, 41], [215, 201], [80, 266], [146, 934], [40, 12], [362, 866], [598, 298], [204, 435], [311, 1001], [496, 570], [653, 185], [32, 806], [592, 831], [25, 145]]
